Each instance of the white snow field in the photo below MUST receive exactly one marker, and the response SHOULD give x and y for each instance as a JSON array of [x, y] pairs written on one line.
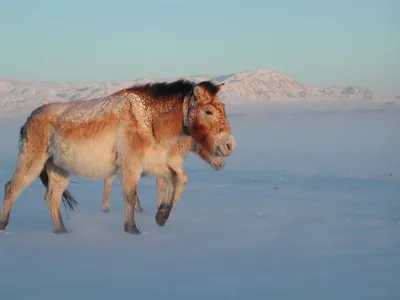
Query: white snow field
[[308, 207]]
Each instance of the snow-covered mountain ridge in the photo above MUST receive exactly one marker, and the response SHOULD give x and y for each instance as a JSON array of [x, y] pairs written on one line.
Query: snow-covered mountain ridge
[[245, 87]]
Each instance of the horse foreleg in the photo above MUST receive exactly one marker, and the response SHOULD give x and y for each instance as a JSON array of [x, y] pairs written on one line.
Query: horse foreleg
[[106, 196], [164, 172], [161, 189], [181, 181], [138, 205], [180, 178]]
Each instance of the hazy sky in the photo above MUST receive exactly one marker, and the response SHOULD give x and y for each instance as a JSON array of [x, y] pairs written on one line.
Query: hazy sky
[[317, 42]]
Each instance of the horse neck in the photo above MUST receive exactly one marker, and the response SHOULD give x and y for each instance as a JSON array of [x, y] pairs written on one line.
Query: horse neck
[[167, 118]]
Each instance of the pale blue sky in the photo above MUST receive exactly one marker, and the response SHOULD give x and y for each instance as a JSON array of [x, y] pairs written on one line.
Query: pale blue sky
[[317, 42]]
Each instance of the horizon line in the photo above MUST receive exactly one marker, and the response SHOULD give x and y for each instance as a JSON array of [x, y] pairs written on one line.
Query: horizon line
[[164, 78]]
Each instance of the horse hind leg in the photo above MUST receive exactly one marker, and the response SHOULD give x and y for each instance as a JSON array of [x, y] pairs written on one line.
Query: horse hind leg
[[106, 193], [57, 183], [29, 166]]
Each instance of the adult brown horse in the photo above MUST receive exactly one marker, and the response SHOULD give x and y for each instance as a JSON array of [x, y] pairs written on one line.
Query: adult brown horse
[[130, 132], [177, 154]]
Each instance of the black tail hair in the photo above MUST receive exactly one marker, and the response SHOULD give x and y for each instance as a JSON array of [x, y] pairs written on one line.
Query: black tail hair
[[67, 199], [21, 132]]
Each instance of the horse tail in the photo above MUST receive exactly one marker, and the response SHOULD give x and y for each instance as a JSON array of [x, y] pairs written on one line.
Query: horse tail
[[67, 199], [22, 134]]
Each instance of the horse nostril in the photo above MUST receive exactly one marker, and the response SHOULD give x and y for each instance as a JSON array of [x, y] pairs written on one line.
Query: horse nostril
[[229, 146]]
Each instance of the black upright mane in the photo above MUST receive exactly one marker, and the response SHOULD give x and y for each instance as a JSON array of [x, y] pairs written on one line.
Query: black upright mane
[[178, 87]]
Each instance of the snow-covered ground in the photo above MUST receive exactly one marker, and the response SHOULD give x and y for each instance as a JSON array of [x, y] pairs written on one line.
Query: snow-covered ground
[[307, 208]]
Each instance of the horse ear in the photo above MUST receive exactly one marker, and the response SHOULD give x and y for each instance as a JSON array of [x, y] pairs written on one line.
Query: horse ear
[[199, 92], [220, 86]]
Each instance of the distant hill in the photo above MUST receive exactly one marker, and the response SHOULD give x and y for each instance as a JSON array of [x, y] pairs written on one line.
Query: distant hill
[[240, 88]]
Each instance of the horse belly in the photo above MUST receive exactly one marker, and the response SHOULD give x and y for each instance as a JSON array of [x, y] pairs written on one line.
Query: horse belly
[[93, 158]]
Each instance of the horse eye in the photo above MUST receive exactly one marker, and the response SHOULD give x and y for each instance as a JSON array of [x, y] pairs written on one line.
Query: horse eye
[[209, 112]]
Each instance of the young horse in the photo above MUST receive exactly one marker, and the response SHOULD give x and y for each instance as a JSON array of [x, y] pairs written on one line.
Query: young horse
[[177, 153], [129, 131]]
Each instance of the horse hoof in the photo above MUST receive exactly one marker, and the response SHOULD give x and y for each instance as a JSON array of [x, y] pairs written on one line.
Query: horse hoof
[[163, 214], [60, 231], [139, 209], [160, 220], [105, 210], [131, 228], [3, 225]]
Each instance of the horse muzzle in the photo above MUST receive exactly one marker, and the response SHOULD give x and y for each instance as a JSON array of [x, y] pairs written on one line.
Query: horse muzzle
[[225, 145]]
